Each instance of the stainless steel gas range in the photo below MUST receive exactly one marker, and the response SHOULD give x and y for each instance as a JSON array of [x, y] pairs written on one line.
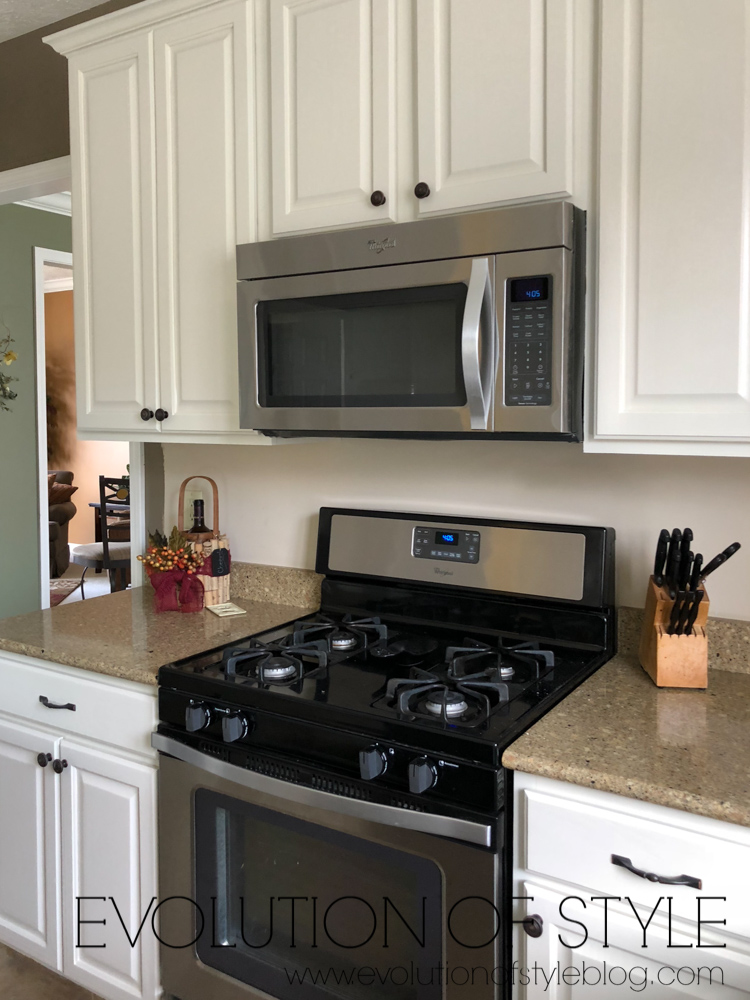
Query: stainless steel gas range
[[334, 817]]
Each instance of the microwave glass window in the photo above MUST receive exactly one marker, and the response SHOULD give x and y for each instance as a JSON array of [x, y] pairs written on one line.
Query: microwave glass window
[[251, 862], [397, 347]]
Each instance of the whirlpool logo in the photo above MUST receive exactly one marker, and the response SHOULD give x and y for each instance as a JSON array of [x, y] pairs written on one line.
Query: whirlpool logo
[[378, 246], [442, 572]]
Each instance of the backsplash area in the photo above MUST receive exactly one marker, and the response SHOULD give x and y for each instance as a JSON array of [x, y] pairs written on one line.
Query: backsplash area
[[270, 497]]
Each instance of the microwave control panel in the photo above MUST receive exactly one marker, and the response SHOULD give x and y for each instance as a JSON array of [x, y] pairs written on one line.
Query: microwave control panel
[[446, 544], [528, 341]]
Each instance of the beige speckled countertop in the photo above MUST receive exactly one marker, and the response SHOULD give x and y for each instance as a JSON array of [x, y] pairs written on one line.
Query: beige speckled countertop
[[618, 732], [121, 635]]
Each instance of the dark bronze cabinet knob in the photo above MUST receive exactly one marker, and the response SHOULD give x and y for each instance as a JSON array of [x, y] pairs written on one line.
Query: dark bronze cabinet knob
[[146, 414], [161, 414], [533, 925], [377, 198], [43, 759], [58, 766], [422, 190]]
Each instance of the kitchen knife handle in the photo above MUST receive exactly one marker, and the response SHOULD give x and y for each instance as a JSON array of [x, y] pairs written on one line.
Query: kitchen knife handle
[[685, 608], [662, 547], [696, 577], [698, 597], [714, 564], [676, 607]]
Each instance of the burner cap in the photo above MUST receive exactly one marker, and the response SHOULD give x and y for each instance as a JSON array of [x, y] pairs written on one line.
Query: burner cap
[[506, 671], [340, 639], [277, 668], [455, 705]]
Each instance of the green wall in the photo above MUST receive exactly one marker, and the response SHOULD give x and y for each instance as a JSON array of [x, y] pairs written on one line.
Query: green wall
[[21, 229]]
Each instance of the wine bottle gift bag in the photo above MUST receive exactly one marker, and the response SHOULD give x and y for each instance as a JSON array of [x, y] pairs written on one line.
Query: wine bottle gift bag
[[211, 544]]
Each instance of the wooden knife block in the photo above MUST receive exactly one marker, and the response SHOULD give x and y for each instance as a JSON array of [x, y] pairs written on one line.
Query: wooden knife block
[[679, 661]]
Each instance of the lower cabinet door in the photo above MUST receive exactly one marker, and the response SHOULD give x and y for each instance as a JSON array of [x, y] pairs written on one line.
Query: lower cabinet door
[[29, 846], [579, 956], [108, 873]]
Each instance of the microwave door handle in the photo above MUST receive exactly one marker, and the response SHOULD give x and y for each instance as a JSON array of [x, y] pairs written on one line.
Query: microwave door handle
[[477, 317]]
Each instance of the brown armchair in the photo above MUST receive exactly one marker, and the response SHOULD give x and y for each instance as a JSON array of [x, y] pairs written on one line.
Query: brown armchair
[[59, 516]]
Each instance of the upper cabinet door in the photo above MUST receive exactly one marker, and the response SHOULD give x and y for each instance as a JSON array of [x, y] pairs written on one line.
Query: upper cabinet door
[[673, 336], [204, 130], [494, 101], [29, 844], [333, 112], [111, 117]]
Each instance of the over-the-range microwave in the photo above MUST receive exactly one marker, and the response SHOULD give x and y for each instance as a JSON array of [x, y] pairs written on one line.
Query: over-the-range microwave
[[458, 326]]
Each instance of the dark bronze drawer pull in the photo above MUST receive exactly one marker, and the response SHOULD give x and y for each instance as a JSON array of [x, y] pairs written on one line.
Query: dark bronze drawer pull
[[58, 766], [694, 883], [48, 704]]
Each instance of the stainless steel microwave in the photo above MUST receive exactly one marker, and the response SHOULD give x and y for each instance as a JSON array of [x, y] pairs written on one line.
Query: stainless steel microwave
[[452, 327]]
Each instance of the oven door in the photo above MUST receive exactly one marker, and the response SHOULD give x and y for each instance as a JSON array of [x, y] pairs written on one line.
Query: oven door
[[405, 348], [290, 892]]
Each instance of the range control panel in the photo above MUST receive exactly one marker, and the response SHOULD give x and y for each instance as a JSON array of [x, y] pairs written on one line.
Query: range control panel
[[445, 543], [528, 342]]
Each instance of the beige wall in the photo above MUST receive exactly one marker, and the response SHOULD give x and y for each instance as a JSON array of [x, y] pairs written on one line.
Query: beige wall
[[270, 496], [86, 459], [34, 93]]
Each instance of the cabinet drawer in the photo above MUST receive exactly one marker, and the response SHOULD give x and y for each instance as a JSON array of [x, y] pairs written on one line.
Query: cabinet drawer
[[573, 841], [112, 711]]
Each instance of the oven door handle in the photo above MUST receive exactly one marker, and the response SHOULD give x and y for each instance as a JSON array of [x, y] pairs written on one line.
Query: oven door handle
[[430, 823], [478, 344]]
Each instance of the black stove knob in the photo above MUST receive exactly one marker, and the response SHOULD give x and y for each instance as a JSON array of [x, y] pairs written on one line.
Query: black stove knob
[[422, 775], [372, 763], [197, 716], [233, 727]]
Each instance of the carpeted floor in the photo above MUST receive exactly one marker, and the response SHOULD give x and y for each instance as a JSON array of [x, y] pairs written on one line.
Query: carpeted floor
[[60, 589]]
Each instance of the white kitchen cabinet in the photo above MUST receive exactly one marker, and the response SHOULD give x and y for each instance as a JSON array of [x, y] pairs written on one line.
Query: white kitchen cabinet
[[112, 159], [29, 843], [478, 103], [672, 337], [565, 836], [109, 853], [162, 144], [665, 969], [84, 824], [494, 101], [204, 209], [333, 112]]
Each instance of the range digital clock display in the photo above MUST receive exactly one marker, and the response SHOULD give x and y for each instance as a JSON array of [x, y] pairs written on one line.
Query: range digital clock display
[[446, 538]]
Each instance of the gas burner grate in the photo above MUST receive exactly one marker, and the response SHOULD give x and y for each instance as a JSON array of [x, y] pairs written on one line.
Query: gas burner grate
[[346, 635], [468, 700], [274, 663], [503, 658]]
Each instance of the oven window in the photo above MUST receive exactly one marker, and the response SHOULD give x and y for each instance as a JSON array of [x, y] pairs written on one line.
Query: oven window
[[399, 347], [301, 911]]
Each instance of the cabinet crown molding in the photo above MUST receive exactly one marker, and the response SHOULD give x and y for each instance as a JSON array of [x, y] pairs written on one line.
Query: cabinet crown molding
[[120, 22]]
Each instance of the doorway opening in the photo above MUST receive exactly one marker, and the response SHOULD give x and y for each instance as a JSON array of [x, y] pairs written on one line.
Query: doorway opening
[[69, 469]]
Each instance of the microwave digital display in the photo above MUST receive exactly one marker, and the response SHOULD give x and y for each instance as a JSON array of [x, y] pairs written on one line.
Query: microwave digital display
[[529, 289]]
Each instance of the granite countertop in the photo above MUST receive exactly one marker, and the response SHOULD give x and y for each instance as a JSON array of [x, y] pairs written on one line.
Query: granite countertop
[[121, 635], [618, 732]]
